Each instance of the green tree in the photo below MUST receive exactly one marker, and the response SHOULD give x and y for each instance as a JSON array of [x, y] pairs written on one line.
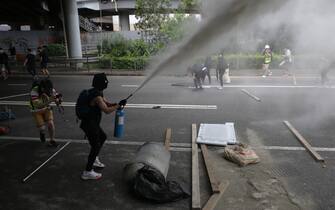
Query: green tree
[[157, 24], [151, 15]]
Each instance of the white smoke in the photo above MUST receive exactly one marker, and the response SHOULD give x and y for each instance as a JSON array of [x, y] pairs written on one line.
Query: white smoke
[[310, 23]]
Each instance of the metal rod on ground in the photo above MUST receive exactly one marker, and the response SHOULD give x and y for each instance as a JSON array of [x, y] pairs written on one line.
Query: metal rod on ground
[[251, 95], [45, 162], [304, 142]]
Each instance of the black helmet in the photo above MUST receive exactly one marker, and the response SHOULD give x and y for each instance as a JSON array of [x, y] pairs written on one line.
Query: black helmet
[[100, 81]]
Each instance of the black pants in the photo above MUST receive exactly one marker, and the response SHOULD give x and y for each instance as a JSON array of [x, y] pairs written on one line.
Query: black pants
[[220, 75], [96, 137], [208, 74], [31, 70], [197, 82]]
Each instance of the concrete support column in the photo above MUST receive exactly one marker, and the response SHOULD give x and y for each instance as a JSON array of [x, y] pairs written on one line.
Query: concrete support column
[[72, 31], [124, 21]]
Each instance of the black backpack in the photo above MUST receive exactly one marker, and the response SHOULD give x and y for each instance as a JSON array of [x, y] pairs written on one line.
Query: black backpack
[[82, 105]]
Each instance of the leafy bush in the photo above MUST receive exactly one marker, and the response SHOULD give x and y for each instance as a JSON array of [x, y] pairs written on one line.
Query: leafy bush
[[56, 50], [104, 62], [118, 46]]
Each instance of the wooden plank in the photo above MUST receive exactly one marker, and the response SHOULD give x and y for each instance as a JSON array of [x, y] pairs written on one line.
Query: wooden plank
[[213, 200], [215, 183], [167, 138], [251, 95], [304, 142], [195, 171]]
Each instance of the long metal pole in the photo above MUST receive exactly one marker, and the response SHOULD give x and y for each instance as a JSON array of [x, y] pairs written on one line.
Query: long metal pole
[[100, 25], [45, 162], [63, 23]]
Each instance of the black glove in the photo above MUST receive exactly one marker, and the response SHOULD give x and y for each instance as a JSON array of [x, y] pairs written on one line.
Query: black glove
[[59, 98], [123, 102], [59, 95]]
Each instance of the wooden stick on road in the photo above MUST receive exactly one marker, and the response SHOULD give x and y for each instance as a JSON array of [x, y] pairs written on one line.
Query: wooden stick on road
[[195, 171], [167, 138], [215, 183], [304, 142], [213, 200], [251, 95]]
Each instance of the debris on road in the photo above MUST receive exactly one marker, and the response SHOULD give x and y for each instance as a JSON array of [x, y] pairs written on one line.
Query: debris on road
[[241, 154], [251, 95], [217, 134], [304, 142], [146, 174]]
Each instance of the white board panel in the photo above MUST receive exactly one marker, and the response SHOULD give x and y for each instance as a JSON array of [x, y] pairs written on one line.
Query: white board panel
[[217, 134]]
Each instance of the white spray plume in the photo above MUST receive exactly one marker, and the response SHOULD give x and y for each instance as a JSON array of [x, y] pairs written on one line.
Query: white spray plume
[[311, 24]]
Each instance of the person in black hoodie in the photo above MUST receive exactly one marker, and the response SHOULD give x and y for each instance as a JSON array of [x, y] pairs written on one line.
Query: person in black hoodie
[[90, 124]]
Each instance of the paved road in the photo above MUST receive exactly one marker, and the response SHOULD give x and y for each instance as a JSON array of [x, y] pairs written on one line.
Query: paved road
[[302, 101]]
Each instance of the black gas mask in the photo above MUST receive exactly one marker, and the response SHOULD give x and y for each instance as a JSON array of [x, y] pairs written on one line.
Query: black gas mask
[[100, 81]]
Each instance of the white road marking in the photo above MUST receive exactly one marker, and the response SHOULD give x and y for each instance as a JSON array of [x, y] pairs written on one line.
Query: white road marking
[[129, 85], [290, 148], [140, 106], [177, 147], [17, 84], [13, 96], [184, 147], [266, 86]]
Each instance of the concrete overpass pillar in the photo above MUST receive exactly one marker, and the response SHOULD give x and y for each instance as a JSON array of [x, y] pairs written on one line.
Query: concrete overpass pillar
[[124, 21], [72, 31]]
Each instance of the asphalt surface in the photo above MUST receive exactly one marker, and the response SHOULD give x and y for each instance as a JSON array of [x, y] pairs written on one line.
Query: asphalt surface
[[302, 182]]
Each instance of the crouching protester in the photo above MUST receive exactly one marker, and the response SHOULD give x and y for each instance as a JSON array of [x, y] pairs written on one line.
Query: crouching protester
[[89, 106], [41, 95]]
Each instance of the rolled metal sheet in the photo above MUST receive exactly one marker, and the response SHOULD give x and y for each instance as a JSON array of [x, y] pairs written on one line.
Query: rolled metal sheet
[[153, 154]]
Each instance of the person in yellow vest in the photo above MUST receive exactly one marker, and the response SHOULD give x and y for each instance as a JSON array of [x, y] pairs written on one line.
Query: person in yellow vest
[[41, 95], [267, 54]]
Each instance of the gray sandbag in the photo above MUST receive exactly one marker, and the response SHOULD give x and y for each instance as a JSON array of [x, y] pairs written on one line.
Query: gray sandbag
[[241, 154]]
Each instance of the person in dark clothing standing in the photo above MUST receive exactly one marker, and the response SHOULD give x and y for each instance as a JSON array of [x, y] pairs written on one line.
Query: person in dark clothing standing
[[12, 52], [3, 64], [90, 124], [208, 65], [220, 69], [44, 59], [29, 63]]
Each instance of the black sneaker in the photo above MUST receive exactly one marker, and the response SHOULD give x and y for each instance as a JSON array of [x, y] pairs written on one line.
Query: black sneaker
[[52, 144], [42, 137]]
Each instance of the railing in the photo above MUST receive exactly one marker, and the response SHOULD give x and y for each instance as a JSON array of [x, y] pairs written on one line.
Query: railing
[[72, 62]]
